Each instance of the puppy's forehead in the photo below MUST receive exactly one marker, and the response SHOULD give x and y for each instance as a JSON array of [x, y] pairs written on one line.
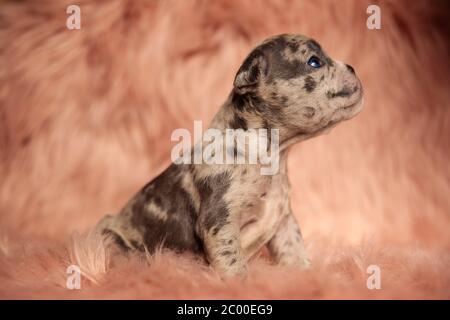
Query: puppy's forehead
[[287, 55], [288, 38], [294, 42]]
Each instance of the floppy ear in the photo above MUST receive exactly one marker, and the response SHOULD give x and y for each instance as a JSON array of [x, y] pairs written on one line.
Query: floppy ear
[[250, 73]]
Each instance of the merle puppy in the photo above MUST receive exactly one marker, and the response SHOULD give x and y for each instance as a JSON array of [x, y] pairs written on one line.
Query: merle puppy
[[229, 212]]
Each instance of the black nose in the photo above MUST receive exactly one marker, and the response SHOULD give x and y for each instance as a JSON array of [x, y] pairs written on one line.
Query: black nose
[[350, 68]]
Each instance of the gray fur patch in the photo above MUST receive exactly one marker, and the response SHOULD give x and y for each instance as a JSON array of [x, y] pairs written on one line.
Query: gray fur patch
[[310, 84]]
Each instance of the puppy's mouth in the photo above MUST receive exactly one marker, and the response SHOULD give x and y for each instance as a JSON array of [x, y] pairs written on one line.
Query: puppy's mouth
[[347, 111], [355, 105]]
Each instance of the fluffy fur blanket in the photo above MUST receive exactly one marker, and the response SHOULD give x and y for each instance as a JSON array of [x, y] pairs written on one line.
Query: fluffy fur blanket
[[86, 117]]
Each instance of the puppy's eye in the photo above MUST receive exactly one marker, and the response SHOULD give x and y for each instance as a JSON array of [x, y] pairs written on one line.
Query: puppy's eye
[[314, 62]]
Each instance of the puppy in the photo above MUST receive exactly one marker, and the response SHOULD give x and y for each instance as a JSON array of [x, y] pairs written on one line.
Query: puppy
[[228, 212]]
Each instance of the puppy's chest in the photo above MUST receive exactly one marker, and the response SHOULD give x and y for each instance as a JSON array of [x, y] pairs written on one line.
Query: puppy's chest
[[262, 201]]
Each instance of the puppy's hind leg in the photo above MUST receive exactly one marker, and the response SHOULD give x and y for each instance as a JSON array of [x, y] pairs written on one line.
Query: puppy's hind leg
[[107, 227]]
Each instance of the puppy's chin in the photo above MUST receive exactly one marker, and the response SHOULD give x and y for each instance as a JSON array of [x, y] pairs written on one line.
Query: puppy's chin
[[349, 110], [354, 108]]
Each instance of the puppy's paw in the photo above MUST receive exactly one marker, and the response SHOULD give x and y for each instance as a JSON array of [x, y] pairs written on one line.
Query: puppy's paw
[[304, 263], [236, 268], [296, 261]]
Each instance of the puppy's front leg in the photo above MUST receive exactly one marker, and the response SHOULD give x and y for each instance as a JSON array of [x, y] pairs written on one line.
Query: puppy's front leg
[[221, 242], [287, 246]]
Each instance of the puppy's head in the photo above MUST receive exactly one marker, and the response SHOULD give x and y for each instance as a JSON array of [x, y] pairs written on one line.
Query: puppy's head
[[294, 85]]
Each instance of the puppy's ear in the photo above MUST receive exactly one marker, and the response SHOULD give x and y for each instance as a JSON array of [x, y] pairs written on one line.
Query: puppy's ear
[[250, 73]]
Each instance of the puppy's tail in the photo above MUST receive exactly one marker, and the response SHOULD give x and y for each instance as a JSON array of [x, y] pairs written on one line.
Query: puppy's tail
[[93, 250], [90, 252]]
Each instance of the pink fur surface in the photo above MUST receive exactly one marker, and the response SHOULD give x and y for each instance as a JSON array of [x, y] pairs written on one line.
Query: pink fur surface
[[86, 117]]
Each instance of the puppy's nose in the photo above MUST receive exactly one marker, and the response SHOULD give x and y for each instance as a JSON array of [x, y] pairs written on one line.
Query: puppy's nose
[[350, 68]]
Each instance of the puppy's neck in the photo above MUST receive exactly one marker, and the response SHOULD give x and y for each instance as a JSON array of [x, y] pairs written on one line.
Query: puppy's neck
[[243, 112], [236, 113]]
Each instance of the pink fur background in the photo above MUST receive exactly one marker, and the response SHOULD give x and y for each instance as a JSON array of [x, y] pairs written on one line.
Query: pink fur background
[[86, 117]]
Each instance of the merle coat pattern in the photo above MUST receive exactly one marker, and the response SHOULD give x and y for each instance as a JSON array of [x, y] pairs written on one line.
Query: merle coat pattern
[[229, 212]]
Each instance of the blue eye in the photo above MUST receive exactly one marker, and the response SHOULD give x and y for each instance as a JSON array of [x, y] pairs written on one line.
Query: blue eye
[[314, 62]]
